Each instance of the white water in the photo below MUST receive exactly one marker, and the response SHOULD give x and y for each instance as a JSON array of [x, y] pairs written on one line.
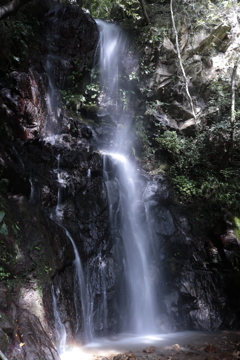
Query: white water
[[60, 332], [112, 43], [54, 111], [138, 309], [111, 346], [83, 311], [140, 292]]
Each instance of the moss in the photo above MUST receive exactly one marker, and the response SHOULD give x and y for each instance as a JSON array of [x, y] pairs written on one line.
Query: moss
[[236, 228]]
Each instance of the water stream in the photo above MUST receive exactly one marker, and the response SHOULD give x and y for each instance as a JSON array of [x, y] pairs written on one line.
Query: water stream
[[134, 250], [139, 307]]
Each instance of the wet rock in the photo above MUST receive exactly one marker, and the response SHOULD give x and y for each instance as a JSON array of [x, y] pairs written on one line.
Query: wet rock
[[121, 357], [210, 349], [131, 356], [225, 356], [164, 223], [191, 353], [150, 349]]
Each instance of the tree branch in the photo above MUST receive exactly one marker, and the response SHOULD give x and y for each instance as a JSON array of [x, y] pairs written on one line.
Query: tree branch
[[2, 356], [233, 81], [228, 156], [181, 63], [144, 10], [12, 7]]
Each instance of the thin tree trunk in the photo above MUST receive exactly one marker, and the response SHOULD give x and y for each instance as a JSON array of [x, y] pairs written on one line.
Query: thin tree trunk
[[228, 156], [144, 10], [233, 103], [233, 108], [181, 64], [2, 356], [12, 7]]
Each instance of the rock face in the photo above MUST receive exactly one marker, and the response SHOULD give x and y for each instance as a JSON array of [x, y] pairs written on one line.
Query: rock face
[[60, 50]]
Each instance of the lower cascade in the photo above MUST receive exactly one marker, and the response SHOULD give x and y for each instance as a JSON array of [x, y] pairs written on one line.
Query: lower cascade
[[134, 248]]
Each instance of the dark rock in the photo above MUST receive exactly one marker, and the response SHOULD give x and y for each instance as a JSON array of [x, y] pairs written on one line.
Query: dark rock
[[6, 324], [164, 223], [3, 296], [4, 340], [210, 349]]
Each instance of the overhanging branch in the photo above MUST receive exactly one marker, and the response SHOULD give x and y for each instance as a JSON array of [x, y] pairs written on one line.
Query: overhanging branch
[[2, 356]]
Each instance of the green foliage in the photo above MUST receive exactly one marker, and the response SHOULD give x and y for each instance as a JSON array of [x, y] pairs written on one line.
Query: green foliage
[[16, 37], [131, 8], [220, 93], [236, 223], [99, 9], [73, 100], [196, 170], [142, 139], [3, 274]]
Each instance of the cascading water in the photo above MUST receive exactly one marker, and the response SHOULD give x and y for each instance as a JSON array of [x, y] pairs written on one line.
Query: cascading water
[[111, 45], [114, 98], [81, 296], [138, 306], [60, 332]]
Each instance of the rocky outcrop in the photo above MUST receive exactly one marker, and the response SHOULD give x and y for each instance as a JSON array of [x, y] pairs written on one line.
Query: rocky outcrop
[[34, 249], [198, 291], [30, 252], [61, 51]]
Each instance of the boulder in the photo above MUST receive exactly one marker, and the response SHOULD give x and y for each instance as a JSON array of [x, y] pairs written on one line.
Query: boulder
[[215, 38]]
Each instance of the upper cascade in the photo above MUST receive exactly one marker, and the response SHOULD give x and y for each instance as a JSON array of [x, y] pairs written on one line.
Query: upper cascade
[[111, 46]]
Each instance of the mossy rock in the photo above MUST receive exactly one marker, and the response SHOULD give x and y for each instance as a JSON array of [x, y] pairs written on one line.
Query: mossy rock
[[236, 227]]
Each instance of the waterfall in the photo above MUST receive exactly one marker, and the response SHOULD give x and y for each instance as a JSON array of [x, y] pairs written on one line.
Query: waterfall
[[133, 248], [81, 296], [115, 88], [139, 307], [111, 45], [127, 217], [60, 331]]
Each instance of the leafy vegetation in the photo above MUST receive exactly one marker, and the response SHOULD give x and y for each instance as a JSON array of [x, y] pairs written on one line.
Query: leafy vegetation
[[198, 169]]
